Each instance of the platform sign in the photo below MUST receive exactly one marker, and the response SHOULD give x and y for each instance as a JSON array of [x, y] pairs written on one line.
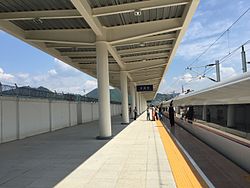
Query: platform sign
[[141, 88]]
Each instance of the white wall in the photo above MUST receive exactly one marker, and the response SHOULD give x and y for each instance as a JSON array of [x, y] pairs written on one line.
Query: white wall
[[9, 119], [112, 109], [24, 117], [34, 117], [79, 113], [95, 111], [86, 112], [73, 113], [117, 109], [59, 114]]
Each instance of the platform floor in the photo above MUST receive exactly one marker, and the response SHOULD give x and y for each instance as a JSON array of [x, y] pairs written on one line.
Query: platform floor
[[44, 160], [134, 158], [141, 155]]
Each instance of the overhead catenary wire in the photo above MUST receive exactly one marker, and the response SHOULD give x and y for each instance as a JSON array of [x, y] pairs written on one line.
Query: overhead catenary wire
[[222, 60], [227, 30], [235, 50], [230, 53]]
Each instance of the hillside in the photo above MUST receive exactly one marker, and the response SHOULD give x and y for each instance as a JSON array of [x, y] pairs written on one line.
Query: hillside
[[115, 95], [163, 97]]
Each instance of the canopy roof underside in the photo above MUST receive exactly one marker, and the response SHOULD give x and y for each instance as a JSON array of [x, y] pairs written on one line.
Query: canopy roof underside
[[142, 45]]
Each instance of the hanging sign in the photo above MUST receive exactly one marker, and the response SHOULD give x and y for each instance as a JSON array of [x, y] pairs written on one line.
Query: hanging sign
[[141, 88]]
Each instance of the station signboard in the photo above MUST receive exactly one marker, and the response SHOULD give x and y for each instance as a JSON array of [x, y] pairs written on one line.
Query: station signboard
[[141, 88]]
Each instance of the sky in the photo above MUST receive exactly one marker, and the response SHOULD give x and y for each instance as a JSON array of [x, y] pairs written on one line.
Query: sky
[[212, 18], [25, 65]]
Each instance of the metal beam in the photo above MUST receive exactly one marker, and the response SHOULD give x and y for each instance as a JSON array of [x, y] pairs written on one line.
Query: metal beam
[[153, 75], [141, 5], [147, 79], [146, 73], [116, 56], [45, 14], [151, 81], [88, 59], [145, 49], [156, 38], [134, 31], [145, 68], [112, 67], [79, 54], [59, 45], [147, 56], [130, 67], [118, 59], [67, 36], [85, 10]]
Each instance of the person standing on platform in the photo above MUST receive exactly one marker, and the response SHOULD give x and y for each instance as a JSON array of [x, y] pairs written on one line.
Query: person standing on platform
[[156, 113], [171, 114], [135, 113], [153, 113], [148, 114]]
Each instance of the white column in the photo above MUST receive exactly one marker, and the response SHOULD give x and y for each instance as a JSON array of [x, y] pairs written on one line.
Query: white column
[[230, 116], [124, 91], [103, 90], [142, 103], [137, 102], [132, 93], [139, 99]]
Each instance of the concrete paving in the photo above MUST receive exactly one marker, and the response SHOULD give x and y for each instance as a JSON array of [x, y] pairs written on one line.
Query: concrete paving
[[43, 161], [134, 158]]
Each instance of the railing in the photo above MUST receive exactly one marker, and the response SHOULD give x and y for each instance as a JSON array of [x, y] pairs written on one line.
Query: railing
[[44, 93]]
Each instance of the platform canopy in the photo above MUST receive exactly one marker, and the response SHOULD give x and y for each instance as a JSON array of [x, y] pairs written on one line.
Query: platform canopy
[[142, 35]]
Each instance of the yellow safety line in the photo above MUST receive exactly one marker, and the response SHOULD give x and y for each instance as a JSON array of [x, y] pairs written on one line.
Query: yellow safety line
[[183, 175]]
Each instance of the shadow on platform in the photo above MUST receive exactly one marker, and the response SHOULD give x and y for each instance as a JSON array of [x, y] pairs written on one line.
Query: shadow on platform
[[44, 160]]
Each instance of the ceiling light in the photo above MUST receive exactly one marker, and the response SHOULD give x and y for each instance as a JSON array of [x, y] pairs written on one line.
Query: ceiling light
[[142, 44], [137, 12]]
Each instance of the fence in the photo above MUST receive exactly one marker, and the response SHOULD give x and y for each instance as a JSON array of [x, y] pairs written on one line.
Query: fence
[[43, 93]]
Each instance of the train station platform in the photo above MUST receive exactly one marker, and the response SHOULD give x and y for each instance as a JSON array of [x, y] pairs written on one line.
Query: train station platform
[[141, 154]]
